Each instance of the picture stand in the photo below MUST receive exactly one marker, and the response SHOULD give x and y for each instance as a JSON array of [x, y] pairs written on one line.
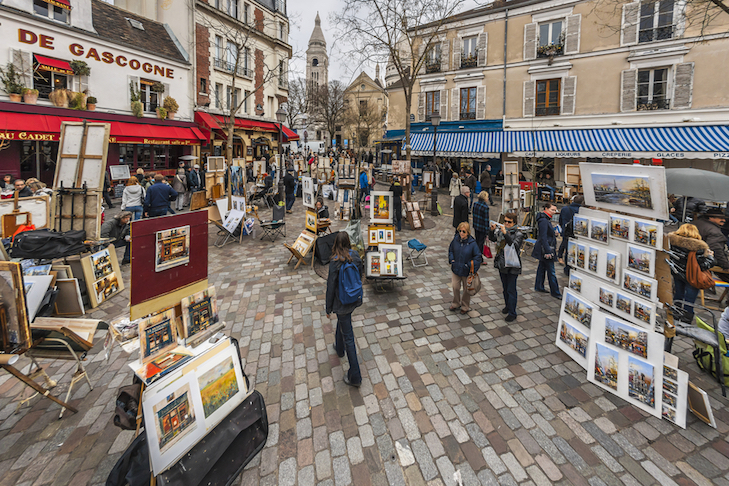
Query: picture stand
[[380, 234], [415, 217], [301, 247]]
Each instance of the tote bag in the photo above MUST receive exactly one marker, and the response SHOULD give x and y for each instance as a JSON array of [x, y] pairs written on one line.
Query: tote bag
[[511, 257]]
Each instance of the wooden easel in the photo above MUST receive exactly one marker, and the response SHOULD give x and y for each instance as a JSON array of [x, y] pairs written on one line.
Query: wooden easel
[[301, 255], [381, 227], [11, 222]]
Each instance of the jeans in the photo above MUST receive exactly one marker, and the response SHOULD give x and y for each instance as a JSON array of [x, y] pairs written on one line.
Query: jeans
[[547, 266], [344, 341], [491, 192], [126, 245], [290, 199], [136, 211], [550, 189], [508, 282], [463, 301], [364, 192], [154, 212], [684, 291]]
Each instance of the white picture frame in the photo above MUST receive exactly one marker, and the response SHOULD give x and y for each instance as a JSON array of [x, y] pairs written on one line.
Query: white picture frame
[[307, 184], [599, 231], [119, 172], [381, 207], [674, 396], [647, 233], [374, 263], [391, 267], [621, 227], [233, 220], [639, 284], [641, 259], [630, 188]]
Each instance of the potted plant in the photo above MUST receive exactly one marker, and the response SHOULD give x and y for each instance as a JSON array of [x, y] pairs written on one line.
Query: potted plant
[[30, 96], [91, 103], [161, 113], [158, 87], [80, 68], [137, 107], [171, 106], [60, 97], [76, 101], [12, 82]]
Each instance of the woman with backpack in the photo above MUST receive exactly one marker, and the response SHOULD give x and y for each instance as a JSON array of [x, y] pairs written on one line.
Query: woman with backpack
[[344, 294], [684, 241]]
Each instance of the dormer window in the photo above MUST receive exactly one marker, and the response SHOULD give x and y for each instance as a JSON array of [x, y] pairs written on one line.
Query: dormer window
[[57, 10]]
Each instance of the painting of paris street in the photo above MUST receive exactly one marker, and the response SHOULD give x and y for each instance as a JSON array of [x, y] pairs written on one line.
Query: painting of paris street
[[623, 190], [640, 381], [626, 337], [606, 366]]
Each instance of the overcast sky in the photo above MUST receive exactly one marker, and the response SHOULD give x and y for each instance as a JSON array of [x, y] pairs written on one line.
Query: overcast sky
[[301, 16]]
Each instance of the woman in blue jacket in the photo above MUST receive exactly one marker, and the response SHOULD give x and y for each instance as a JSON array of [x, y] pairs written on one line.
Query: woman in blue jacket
[[462, 252]]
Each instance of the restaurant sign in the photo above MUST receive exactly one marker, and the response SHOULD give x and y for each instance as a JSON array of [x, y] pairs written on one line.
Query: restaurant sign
[[23, 136]]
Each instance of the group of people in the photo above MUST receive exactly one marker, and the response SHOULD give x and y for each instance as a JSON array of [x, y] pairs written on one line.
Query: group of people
[[24, 188]]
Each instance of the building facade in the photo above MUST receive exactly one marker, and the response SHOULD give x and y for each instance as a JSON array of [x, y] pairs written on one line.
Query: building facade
[[365, 104]]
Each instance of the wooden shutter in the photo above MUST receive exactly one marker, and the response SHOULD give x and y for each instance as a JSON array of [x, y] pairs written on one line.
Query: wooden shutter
[[683, 84], [529, 95], [421, 106], [569, 89], [457, 48], [443, 110], [420, 59], [628, 89], [629, 24], [530, 41], [483, 39], [572, 34], [444, 58], [23, 65], [83, 83], [455, 104], [481, 103]]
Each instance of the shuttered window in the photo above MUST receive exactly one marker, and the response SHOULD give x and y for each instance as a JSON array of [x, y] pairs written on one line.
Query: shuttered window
[[468, 104], [653, 89], [656, 21], [548, 97], [432, 103]]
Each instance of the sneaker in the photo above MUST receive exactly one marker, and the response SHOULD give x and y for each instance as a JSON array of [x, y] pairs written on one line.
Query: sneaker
[[347, 382], [510, 318]]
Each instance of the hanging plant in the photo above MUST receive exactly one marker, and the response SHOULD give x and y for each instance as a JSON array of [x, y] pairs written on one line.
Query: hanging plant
[[80, 68], [158, 87], [134, 92]]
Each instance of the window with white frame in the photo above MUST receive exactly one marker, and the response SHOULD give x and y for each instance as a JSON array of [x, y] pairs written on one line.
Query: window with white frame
[[231, 55], [218, 96], [246, 60], [548, 97], [469, 53], [653, 89], [656, 21], [232, 97], [245, 101], [432, 61], [233, 8], [432, 104], [150, 99], [218, 48], [468, 103], [246, 13], [551, 33], [50, 11], [281, 31]]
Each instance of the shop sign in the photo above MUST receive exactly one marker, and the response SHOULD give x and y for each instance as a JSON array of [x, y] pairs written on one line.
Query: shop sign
[[41, 137], [151, 141], [78, 50]]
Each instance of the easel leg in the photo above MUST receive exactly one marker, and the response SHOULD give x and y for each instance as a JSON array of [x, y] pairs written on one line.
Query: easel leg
[[139, 414], [35, 386]]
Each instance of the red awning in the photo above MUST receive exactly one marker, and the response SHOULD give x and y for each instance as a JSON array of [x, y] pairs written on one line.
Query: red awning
[[55, 65], [25, 126], [258, 126], [289, 134], [60, 3]]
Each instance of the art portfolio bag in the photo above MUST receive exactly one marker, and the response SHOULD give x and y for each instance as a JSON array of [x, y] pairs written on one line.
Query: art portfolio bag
[[473, 282], [511, 257], [695, 276], [48, 244]]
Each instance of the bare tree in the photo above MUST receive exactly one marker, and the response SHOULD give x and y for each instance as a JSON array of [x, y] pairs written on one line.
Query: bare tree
[[296, 103], [402, 32], [363, 119], [327, 106]]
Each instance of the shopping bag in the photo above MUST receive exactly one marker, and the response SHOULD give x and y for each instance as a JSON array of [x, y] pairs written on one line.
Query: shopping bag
[[487, 251], [473, 282], [511, 257]]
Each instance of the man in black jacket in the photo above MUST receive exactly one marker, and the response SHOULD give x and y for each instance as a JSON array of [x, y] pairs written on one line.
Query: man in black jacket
[[471, 183], [22, 189], [290, 185], [709, 226], [544, 251], [158, 197], [460, 207]]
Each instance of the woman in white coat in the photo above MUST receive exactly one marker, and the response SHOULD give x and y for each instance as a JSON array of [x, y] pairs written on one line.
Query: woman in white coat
[[455, 188]]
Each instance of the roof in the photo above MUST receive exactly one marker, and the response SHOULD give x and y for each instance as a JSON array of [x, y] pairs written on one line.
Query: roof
[[317, 36], [111, 23], [494, 7]]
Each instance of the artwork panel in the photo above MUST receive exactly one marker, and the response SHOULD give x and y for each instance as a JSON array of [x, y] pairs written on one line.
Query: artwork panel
[[641, 384], [626, 337], [620, 227], [605, 366], [640, 285], [699, 404], [599, 230], [642, 259], [199, 312], [575, 283], [220, 381], [607, 297], [573, 340], [579, 309], [381, 209], [157, 335], [648, 233], [172, 248], [391, 263], [311, 221]]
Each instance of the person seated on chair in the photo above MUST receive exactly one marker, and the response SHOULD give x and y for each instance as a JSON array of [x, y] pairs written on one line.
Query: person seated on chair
[[117, 228], [546, 183], [322, 212], [22, 189]]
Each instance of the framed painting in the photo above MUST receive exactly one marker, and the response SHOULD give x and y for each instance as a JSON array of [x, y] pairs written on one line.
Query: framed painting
[[199, 313], [307, 184], [575, 283], [391, 264], [578, 309], [630, 188], [374, 261], [573, 340], [620, 227], [172, 248], [311, 221], [640, 285], [381, 207], [373, 236], [642, 259], [157, 335], [599, 231], [102, 275], [14, 324], [307, 199], [648, 233], [581, 226]]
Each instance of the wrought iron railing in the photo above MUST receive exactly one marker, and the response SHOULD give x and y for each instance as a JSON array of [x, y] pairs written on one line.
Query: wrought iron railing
[[550, 50], [432, 66], [228, 67], [547, 110], [656, 34], [655, 104], [469, 61], [469, 115]]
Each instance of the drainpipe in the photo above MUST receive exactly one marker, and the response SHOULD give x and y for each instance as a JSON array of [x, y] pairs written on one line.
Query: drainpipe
[[506, 30]]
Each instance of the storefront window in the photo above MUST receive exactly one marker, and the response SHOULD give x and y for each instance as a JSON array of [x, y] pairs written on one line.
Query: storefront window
[[149, 99], [47, 81], [160, 157], [144, 157], [126, 155], [38, 159]]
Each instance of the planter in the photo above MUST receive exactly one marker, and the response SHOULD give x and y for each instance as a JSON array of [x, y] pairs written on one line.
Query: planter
[[15, 97], [91, 106], [171, 115], [161, 113], [30, 98]]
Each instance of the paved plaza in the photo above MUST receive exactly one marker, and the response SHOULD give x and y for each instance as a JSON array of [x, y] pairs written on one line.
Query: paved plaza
[[446, 399]]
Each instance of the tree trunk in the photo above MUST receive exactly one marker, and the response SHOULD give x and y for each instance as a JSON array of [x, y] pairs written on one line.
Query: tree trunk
[[408, 104]]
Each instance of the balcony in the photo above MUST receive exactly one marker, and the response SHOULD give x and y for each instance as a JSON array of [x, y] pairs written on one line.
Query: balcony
[[469, 61], [656, 34], [547, 110], [469, 115], [228, 68], [432, 65], [656, 104], [550, 51]]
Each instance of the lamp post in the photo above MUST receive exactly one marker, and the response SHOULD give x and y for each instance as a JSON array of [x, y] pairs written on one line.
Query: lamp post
[[280, 117], [435, 121]]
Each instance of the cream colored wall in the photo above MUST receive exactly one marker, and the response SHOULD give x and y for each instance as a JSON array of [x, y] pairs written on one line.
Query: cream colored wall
[[396, 117], [598, 83], [710, 73]]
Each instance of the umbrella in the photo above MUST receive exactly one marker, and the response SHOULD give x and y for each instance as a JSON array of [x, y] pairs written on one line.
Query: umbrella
[[188, 157], [699, 183]]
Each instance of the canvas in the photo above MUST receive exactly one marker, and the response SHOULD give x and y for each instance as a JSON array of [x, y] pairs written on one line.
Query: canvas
[[374, 260], [641, 385], [172, 248], [606, 366], [391, 261], [381, 207], [698, 402], [648, 233], [575, 283], [157, 335], [220, 380], [640, 285], [626, 337], [102, 275], [607, 297], [578, 309], [15, 327], [233, 220], [308, 199], [581, 226], [599, 230], [311, 221], [574, 338], [674, 396], [592, 258], [199, 312], [620, 227]]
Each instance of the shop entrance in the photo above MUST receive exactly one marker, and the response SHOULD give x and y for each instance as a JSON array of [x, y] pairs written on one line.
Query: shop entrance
[[38, 159]]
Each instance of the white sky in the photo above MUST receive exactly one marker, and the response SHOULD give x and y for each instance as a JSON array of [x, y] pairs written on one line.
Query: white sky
[[301, 18]]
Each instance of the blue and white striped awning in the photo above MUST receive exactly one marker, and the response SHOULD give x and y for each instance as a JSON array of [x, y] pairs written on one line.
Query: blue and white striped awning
[[701, 142]]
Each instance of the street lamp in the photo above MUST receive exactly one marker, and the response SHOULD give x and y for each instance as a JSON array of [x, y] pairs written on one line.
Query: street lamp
[[435, 121], [280, 117]]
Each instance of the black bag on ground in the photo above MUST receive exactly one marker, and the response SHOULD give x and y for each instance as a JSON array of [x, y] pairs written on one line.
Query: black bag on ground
[[127, 406], [133, 467], [47, 244]]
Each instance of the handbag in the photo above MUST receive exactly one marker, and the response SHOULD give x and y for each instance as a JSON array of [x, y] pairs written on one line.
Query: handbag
[[473, 282], [511, 257], [695, 276], [487, 251], [48, 244]]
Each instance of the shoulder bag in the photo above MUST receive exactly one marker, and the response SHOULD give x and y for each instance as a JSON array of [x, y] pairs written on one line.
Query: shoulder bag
[[473, 282], [697, 278]]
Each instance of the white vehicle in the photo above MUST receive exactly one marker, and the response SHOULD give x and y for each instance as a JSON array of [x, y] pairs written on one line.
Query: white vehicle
[[316, 147]]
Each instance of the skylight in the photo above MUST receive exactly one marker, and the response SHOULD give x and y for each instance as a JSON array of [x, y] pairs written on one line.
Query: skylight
[[135, 23]]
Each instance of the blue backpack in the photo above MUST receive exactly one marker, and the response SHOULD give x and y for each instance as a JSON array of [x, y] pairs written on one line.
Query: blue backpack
[[350, 283]]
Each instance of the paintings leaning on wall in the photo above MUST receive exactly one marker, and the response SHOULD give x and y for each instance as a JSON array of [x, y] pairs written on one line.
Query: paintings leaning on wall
[[14, 324], [172, 248]]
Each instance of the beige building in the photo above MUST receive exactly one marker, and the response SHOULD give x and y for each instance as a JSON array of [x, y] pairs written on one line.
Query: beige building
[[574, 80], [365, 104]]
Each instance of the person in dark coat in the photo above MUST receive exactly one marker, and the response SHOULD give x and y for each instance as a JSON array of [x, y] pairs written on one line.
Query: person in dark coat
[[322, 211], [481, 218], [158, 198], [545, 251], [683, 241], [486, 183], [566, 216], [510, 235], [22, 189], [709, 226], [694, 206], [460, 207], [461, 253], [290, 187], [344, 338], [396, 190], [117, 228], [194, 179], [471, 183]]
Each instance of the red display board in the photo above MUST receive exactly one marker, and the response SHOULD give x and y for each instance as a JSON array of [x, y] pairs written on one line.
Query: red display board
[[148, 283]]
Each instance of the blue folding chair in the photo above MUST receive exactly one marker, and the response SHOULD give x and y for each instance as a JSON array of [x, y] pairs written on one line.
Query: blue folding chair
[[417, 250]]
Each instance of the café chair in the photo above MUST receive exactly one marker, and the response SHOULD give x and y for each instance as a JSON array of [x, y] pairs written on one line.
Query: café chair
[[276, 226]]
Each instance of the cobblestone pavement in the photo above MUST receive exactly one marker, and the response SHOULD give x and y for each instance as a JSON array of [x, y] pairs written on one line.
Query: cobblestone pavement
[[446, 398]]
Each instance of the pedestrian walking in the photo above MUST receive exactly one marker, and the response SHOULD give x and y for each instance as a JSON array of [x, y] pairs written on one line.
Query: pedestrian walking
[[364, 186], [685, 240], [545, 251], [179, 184], [454, 188], [133, 198], [471, 183], [508, 236], [486, 183], [460, 207], [481, 218], [396, 190], [566, 220], [462, 254], [158, 198], [343, 255], [290, 187]]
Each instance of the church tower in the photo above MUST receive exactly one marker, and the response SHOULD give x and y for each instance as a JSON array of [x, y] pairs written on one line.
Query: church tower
[[317, 61]]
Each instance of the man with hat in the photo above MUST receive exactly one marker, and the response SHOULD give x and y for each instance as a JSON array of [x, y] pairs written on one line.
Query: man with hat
[[709, 226], [194, 179]]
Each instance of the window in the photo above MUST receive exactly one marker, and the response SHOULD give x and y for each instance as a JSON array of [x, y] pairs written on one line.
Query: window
[[245, 101], [233, 9], [656, 21], [469, 55], [653, 89], [232, 97], [53, 12], [281, 31], [432, 62], [315, 62], [432, 103], [46, 81], [216, 3], [468, 103], [246, 13], [281, 74], [218, 47], [149, 99], [551, 33], [218, 96], [231, 55], [203, 85], [548, 97]]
